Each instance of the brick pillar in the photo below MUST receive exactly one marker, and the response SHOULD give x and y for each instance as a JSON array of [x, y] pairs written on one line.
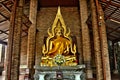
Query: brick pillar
[[104, 45], [13, 55], [115, 71], [31, 38], [96, 40], [10, 43], [3, 54], [86, 47]]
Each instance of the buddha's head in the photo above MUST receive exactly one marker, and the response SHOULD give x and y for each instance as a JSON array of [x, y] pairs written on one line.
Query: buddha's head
[[58, 29]]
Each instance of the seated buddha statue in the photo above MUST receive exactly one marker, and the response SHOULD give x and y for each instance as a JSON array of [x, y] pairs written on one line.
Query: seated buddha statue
[[58, 42]]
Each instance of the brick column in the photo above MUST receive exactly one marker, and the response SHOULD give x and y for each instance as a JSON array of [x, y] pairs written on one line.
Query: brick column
[[115, 71], [3, 54], [86, 47], [104, 43], [96, 39], [10, 43], [31, 38], [13, 55]]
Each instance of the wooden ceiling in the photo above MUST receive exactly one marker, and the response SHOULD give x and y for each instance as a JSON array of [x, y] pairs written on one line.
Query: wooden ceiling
[[112, 17], [56, 3], [5, 12], [111, 10]]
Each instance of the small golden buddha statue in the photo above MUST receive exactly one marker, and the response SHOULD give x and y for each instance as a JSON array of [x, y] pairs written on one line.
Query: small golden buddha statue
[[59, 42]]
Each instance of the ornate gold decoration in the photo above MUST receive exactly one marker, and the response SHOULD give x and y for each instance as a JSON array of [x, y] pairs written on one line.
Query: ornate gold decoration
[[59, 59], [58, 42]]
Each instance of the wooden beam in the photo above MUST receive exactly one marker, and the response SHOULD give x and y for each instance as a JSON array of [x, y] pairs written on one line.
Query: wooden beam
[[6, 2], [4, 16], [112, 36], [116, 40], [109, 39], [113, 4], [7, 30], [111, 13], [113, 30], [108, 3], [3, 20], [3, 32], [115, 19], [56, 3], [5, 38], [5, 7], [26, 20]]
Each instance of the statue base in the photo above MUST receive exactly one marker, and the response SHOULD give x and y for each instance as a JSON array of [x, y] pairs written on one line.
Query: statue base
[[60, 73]]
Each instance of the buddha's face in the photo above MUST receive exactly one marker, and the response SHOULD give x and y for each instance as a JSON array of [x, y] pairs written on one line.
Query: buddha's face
[[58, 31]]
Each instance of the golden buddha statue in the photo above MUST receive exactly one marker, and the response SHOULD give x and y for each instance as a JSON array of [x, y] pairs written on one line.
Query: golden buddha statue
[[58, 42]]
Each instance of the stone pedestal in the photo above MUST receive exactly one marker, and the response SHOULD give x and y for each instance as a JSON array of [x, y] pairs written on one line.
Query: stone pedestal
[[69, 73]]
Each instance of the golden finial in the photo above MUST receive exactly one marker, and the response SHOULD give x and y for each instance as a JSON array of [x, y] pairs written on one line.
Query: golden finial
[[58, 13]]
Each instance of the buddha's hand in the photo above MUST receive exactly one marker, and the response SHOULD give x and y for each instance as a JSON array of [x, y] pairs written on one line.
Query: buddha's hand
[[44, 50], [66, 52]]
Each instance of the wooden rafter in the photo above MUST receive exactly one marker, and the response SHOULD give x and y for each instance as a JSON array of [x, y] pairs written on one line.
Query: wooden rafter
[[113, 36], [1, 31], [111, 13], [6, 2], [109, 39], [26, 20], [5, 7], [4, 16], [108, 3], [113, 30], [116, 40], [5, 38], [113, 18], [3, 20], [113, 4]]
